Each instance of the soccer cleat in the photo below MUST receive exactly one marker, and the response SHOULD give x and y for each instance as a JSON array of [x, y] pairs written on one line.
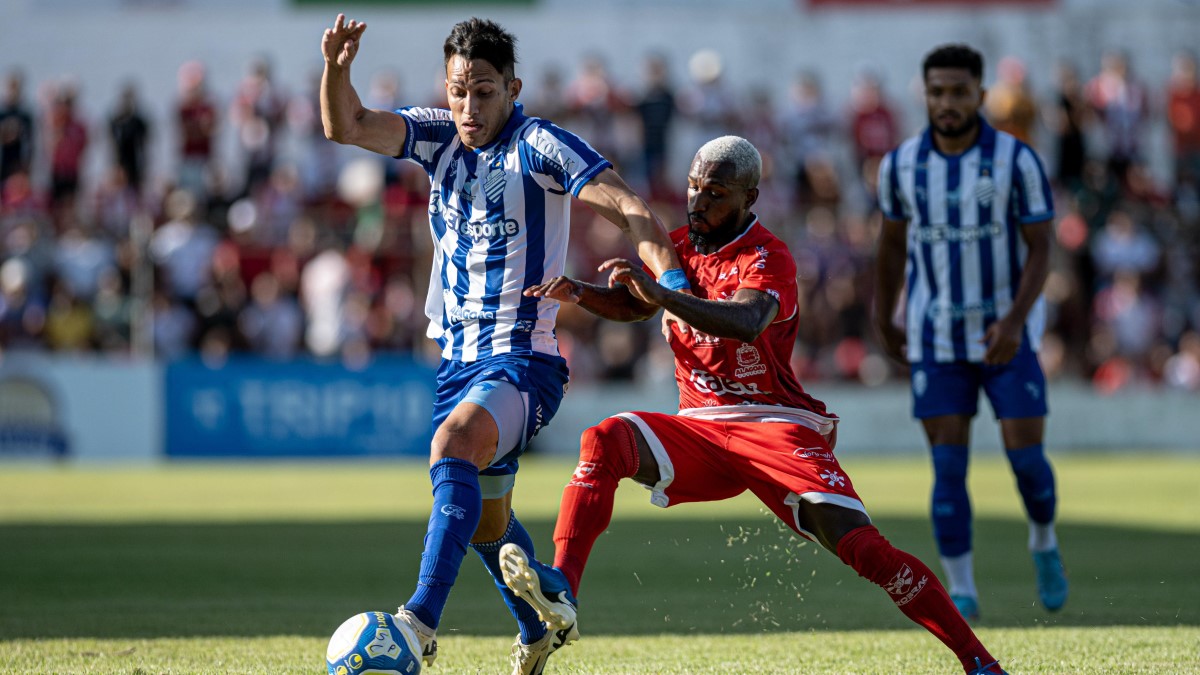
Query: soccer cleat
[[1051, 579], [531, 659], [967, 605], [542, 586], [981, 669], [426, 636]]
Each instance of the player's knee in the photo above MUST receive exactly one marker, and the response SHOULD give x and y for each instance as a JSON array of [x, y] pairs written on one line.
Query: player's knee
[[609, 446], [460, 441], [949, 464], [1030, 460]]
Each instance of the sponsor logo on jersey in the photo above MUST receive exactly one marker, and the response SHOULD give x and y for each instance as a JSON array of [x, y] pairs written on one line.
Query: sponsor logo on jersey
[[932, 234], [725, 275], [962, 311], [707, 383], [749, 362], [476, 230], [460, 314], [762, 257]]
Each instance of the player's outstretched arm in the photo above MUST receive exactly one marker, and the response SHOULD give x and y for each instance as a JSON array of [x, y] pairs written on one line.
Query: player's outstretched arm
[[608, 195], [614, 304], [889, 276], [343, 115]]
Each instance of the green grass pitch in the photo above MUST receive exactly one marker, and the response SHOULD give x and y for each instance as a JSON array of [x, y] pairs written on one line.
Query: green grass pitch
[[247, 568]]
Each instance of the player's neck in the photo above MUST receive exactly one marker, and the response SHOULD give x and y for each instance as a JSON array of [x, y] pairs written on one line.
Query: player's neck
[[708, 245], [956, 145]]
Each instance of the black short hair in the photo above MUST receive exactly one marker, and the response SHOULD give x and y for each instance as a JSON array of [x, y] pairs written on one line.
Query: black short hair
[[483, 39], [956, 55]]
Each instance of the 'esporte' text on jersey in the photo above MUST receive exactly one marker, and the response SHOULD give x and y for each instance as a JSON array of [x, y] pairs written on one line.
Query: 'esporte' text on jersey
[[728, 377], [500, 218], [965, 250]]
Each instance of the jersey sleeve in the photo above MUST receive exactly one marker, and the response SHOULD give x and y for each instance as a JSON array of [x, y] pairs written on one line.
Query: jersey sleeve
[[891, 202], [1031, 197], [563, 157], [429, 131], [772, 270]]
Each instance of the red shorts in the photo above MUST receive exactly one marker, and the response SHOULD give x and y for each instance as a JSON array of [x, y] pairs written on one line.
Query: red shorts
[[704, 460]]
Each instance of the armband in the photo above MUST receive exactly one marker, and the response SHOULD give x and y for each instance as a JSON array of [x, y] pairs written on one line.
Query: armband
[[674, 279]]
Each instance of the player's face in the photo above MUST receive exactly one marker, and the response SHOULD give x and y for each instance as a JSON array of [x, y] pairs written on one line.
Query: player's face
[[481, 99], [952, 97], [718, 202]]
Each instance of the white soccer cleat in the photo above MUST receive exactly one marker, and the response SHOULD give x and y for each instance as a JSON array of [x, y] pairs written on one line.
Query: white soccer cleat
[[531, 659], [426, 636], [543, 587]]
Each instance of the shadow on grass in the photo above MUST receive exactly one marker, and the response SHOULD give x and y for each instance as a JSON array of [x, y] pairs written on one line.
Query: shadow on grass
[[645, 577]]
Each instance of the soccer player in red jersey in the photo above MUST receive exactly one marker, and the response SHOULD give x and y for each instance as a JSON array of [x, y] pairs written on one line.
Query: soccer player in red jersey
[[744, 421]]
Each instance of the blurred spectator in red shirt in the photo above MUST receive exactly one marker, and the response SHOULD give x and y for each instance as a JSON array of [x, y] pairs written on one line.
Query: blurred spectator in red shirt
[[1183, 116], [197, 118], [874, 127], [66, 140]]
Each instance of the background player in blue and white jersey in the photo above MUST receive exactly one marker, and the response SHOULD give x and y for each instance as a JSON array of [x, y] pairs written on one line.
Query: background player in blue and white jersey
[[499, 205], [966, 230]]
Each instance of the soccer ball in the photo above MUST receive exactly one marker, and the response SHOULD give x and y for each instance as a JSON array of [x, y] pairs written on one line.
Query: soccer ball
[[372, 643]]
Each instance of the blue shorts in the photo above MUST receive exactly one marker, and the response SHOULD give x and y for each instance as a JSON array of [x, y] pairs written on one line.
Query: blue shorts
[[1016, 389], [541, 378]]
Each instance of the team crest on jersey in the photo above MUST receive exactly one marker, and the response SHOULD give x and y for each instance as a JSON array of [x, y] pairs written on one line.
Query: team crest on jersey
[[985, 189], [749, 362], [493, 185]]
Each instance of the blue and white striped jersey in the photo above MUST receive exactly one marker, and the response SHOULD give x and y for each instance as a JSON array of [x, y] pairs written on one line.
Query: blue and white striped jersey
[[500, 217], [965, 251]]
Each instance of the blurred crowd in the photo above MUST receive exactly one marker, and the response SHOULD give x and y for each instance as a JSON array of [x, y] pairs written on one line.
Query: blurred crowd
[[291, 246]]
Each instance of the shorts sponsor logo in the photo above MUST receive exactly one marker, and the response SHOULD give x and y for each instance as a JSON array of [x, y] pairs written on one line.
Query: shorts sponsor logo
[[832, 477], [1034, 391], [813, 453], [707, 383], [454, 511]]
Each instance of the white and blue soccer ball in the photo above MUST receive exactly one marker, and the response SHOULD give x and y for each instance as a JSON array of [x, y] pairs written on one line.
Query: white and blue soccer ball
[[372, 643]]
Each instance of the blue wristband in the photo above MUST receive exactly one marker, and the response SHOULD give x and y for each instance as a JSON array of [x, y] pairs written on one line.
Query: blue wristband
[[674, 279]]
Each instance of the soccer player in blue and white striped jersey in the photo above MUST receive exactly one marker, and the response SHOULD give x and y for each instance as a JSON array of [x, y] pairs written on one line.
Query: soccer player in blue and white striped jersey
[[499, 213], [967, 214]]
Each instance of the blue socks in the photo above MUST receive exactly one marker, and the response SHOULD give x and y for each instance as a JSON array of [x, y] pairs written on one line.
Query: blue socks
[[1035, 481], [951, 507], [532, 628], [457, 505]]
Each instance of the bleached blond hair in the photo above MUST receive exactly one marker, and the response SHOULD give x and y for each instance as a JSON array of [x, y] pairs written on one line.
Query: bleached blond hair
[[739, 152]]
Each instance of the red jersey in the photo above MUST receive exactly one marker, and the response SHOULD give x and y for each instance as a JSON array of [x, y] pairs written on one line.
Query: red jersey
[[713, 371]]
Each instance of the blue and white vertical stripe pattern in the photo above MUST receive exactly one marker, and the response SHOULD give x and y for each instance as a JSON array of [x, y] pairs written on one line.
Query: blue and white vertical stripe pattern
[[500, 220], [965, 250]]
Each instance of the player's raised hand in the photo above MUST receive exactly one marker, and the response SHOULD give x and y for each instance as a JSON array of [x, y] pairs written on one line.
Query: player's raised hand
[[562, 289], [633, 277], [339, 45]]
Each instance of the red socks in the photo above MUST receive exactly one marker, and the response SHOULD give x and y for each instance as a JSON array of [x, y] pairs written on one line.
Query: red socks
[[607, 453], [915, 590]]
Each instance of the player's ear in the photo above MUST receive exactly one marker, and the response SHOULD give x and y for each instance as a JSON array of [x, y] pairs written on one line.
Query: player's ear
[[751, 196], [514, 89]]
